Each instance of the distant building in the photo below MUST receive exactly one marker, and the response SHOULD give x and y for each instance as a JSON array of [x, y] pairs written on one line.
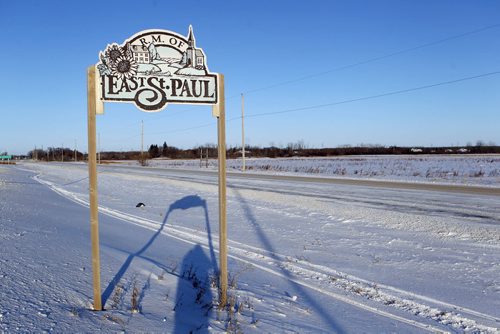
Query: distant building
[[193, 57], [247, 153], [140, 53], [416, 150]]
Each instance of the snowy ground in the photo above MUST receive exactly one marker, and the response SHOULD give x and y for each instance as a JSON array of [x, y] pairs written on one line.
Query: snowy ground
[[306, 257], [458, 169]]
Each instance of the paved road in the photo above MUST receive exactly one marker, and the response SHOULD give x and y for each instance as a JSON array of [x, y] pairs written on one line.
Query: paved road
[[451, 188]]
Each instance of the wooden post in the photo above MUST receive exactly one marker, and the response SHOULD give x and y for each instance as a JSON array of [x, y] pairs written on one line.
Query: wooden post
[[94, 222], [220, 112]]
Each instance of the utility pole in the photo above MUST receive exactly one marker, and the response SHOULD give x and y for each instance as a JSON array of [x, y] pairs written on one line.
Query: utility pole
[[33, 156], [142, 140], [243, 167], [206, 159], [75, 150]]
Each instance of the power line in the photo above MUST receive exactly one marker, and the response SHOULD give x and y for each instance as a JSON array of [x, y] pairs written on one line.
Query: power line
[[371, 60], [402, 91]]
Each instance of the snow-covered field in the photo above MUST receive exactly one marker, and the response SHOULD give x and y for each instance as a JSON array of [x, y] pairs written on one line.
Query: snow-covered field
[[304, 257], [458, 169]]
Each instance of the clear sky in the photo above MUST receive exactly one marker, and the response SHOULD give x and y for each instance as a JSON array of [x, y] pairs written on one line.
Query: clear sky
[[282, 55]]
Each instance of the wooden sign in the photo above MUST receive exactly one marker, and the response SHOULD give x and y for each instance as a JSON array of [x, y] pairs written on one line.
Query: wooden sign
[[151, 69], [154, 68]]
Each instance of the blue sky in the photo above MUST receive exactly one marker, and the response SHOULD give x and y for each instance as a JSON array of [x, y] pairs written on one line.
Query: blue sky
[[259, 45]]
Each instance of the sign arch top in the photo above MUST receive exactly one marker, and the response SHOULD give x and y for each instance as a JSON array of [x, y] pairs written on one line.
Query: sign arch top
[[155, 67]]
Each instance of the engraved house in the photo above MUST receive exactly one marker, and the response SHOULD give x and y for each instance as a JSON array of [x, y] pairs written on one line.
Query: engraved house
[[140, 53]]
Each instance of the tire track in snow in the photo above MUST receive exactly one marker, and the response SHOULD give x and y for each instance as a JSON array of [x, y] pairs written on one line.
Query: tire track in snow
[[304, 272]]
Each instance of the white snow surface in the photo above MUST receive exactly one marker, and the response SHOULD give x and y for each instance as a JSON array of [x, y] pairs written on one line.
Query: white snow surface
[[303, 257]]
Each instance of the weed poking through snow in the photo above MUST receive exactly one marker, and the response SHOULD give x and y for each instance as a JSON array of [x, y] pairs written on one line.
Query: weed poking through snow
[[135, 296]]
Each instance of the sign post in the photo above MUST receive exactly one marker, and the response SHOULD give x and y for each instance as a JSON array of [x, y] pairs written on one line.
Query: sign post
[[219, 111], [151, 69], [94, 222]]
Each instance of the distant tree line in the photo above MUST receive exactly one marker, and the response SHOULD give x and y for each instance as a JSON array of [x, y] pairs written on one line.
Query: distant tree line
[[298, 149], [55, 154], [277, 152]]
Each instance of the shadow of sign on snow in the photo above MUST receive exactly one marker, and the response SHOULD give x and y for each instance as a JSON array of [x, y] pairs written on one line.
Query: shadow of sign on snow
[[320, 310], [193, 297], [184, 203]]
